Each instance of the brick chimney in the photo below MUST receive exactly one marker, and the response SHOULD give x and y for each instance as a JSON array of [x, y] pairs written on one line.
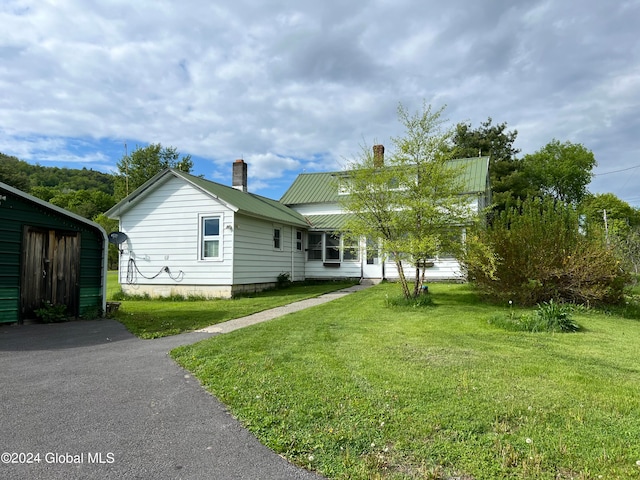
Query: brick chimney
[[240, 175], [378, 156]]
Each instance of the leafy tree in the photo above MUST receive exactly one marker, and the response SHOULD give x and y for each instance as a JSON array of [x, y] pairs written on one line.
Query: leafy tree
[[497, 142], [44, 193], [411, 204], [620, 222], [87, 203], [11, 174], [606, 207], [145, 162], [560, 170]]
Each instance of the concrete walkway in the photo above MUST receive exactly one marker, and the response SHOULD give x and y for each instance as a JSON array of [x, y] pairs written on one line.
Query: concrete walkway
[[88, 400], [237, 323]]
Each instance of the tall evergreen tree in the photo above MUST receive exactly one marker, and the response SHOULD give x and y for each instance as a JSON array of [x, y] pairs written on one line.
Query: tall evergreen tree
[[497, 142]]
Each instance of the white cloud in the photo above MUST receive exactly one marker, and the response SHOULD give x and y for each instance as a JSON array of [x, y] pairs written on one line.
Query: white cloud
[[291, 86]]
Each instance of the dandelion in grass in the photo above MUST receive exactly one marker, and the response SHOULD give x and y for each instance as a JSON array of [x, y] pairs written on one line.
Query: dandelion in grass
[[529, 441], [638, 462], [311, 458]]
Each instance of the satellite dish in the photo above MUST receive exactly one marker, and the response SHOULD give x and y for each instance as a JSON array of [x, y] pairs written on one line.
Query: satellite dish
[[117, 238]]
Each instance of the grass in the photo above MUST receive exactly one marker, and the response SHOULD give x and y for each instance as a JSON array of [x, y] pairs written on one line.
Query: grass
[[362, 389], [154, 318]]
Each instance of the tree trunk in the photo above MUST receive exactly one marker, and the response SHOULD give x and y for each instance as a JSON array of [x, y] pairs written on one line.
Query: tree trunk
[[417, 282], [403, 279]]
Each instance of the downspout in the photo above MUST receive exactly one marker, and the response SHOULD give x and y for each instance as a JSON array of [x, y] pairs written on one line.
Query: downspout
[[362, 245], [105, 266], [293, 240]]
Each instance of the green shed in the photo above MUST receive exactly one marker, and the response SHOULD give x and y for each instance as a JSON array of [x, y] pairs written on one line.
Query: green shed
[[48, 255]]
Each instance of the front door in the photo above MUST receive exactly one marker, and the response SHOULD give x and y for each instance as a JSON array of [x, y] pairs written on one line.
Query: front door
[[50, 265], [371, 263]]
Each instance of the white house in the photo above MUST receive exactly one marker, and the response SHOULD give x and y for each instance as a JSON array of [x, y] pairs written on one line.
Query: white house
[[186, 235], [183, 234], [331, 252]]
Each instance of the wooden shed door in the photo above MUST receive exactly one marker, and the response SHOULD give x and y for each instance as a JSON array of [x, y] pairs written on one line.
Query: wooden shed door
[[50, 264]]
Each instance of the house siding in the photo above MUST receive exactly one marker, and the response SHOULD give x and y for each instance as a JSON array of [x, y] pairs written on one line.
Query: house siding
[[163, 232], [444, 269], [256, 260]]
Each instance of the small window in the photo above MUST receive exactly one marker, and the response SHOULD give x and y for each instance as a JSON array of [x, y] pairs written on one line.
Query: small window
[[210, 238], [299, 240], [314, 251], [277, 239]]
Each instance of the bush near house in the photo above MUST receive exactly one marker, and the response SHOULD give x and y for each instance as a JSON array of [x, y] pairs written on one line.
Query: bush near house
[[540, 253]]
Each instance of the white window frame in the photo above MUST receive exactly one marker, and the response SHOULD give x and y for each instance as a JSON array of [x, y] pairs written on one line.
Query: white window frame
[[202, 238], [331, 247], [279, 237], [314, 248], [299, 240]]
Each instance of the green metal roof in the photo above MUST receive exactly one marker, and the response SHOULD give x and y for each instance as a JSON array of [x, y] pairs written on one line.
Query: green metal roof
[[323, 187], [242, 202], [313, 188], [333, 222], [474, 173]]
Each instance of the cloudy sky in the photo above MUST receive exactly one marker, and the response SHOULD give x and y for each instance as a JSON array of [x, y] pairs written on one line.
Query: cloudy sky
[[293, 86]]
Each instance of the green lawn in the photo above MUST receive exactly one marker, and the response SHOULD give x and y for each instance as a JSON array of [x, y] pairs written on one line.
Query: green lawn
[[153, 318], [355, 389]]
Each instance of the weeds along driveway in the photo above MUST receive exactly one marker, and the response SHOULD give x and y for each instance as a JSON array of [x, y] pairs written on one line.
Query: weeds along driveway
[[87, 399]]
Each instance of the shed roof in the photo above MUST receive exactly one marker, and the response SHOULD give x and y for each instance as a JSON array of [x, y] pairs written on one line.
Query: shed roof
[[323, 187], [242, 202], [53, 208]]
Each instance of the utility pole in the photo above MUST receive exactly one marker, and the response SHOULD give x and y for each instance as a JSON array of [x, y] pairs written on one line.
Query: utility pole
[[606, 226]]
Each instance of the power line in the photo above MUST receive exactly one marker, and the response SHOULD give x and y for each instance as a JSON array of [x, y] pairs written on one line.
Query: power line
[[615, 171]]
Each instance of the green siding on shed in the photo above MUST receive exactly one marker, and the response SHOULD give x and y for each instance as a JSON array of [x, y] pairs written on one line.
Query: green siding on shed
[[18, 210]]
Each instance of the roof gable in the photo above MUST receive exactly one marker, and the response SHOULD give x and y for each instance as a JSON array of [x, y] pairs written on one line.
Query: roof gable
[[51, 207], [323, 187], [242, 202]]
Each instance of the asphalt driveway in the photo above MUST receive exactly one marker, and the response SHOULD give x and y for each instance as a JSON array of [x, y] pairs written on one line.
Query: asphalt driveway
[[87, 399]]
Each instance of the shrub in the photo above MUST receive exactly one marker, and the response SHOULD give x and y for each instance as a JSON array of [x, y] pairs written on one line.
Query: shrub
[[549, 317], [423, 300], [555, 316], [283, 280], [537, 252], [52, 313]]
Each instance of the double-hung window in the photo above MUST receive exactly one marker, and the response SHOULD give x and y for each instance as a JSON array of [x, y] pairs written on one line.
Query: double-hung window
[[332, 248], [314, 250], [277, 238], [210, 238]]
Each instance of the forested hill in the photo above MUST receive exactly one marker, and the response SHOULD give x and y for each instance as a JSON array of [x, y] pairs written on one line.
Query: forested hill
[[26, 177], [86, 192]]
